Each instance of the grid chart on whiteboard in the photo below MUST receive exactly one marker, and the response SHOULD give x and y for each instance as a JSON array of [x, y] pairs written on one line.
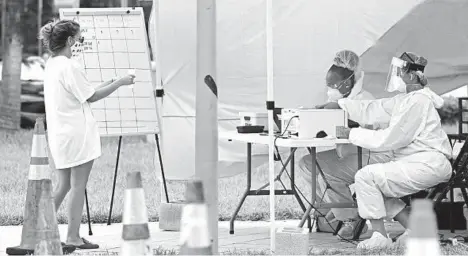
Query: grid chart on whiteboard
[[113, 45]]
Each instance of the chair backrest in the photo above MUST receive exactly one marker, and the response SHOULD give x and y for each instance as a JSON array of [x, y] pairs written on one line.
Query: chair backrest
[[462, 116], [460, 165]]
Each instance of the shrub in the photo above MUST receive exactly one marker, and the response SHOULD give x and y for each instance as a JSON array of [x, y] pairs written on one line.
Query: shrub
[[449, 111]]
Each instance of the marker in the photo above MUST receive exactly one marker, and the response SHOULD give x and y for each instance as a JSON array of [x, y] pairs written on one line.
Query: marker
[[131, 72]]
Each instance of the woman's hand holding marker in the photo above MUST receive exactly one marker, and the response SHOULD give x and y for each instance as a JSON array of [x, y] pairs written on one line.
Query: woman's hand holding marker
[[126, 80], [132, 72]]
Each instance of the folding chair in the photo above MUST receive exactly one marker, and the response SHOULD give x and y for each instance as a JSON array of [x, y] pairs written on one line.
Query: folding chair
[[459, 180]]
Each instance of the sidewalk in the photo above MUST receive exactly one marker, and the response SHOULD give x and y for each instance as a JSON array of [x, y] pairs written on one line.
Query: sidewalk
[[248, 235]]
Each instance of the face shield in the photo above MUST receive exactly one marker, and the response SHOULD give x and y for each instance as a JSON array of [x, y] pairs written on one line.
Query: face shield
[[398, 68]]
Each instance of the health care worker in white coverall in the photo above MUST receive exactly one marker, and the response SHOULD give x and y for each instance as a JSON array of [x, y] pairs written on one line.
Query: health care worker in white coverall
[[413, 150], [344, 80]]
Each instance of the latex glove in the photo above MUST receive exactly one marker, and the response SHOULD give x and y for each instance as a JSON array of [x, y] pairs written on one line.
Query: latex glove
[[352, 124], [342, 132]]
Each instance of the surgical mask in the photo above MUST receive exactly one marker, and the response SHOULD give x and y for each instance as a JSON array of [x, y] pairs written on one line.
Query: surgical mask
[[334, 94], [341, 89], [396, 83]]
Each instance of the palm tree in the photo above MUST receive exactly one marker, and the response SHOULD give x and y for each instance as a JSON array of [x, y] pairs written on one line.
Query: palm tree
[[10, 88]]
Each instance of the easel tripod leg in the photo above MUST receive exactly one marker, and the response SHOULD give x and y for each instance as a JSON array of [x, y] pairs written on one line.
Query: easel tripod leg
[[115, 180], [162, 168], [90, 231]]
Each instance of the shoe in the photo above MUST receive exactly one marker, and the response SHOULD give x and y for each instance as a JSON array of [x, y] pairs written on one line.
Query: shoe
[[350, 228], [401, 240], [377, 240], [327, 224]]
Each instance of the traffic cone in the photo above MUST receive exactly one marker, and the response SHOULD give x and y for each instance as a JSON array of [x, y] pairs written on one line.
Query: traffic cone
[[194, 232], [47, 228], [135, 232], [423, 238], [38, 172]]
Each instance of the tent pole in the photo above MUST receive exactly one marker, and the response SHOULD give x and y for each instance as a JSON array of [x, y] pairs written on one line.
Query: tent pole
[[270, 108], [206, 120]]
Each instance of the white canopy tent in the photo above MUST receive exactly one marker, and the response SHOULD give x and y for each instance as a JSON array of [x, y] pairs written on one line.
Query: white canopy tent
[[306, 35], [300, 37]]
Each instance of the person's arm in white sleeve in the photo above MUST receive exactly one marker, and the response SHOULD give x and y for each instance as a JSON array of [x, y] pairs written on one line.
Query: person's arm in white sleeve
[[368, 112], [403, 128], [77, 83]]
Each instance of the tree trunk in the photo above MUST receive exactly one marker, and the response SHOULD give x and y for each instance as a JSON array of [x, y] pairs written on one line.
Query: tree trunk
[[10, 89], [99, 3]]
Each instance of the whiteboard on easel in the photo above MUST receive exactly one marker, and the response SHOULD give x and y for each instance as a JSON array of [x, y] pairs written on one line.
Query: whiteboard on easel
[[115, 44]]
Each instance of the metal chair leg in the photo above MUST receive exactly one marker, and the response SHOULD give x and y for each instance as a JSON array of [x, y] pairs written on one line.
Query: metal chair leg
[[338, 227], [360, 227]]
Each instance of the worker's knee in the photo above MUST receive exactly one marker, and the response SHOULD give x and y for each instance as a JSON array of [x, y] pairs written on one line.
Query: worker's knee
[[364, 176]]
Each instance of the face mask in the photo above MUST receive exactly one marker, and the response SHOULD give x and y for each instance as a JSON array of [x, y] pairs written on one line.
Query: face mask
[[334, 94], [396, 83], [77, 49]]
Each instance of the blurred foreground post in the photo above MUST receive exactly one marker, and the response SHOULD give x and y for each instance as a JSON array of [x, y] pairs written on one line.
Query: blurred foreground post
[[206, 124], [194, 230], [423, 238]]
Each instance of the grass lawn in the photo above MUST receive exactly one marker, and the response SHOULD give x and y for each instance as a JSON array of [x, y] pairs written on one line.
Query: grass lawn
[[136, 155], [445, 250]]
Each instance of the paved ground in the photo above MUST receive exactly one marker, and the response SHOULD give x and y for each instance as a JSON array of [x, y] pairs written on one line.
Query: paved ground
[[248, 235]]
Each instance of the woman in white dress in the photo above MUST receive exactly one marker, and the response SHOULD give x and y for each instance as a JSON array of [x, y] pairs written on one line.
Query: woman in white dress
[[73, 133]]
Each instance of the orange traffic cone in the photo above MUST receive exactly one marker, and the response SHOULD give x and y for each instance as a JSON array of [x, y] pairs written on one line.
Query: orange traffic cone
[[47, 228], [135, 232], [38, 172], [194, 232], [423, 238]]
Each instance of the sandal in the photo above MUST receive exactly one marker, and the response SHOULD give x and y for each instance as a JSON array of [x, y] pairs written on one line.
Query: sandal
[[87, 245], [68, 248]]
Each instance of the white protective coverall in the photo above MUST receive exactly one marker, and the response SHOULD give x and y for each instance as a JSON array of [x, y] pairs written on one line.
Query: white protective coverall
[[339, 166], [414, 150]]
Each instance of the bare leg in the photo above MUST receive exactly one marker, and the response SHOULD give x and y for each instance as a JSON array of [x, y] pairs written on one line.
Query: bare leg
[[79, 179], [62, 188], [379, 226], [403, 217]]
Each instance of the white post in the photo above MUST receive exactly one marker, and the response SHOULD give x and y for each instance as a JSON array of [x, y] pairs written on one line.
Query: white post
[[159, 99], [270, 100], [206, 124], [124, 3]]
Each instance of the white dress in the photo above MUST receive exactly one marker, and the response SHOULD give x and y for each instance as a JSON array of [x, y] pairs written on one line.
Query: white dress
[[73, 133]]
